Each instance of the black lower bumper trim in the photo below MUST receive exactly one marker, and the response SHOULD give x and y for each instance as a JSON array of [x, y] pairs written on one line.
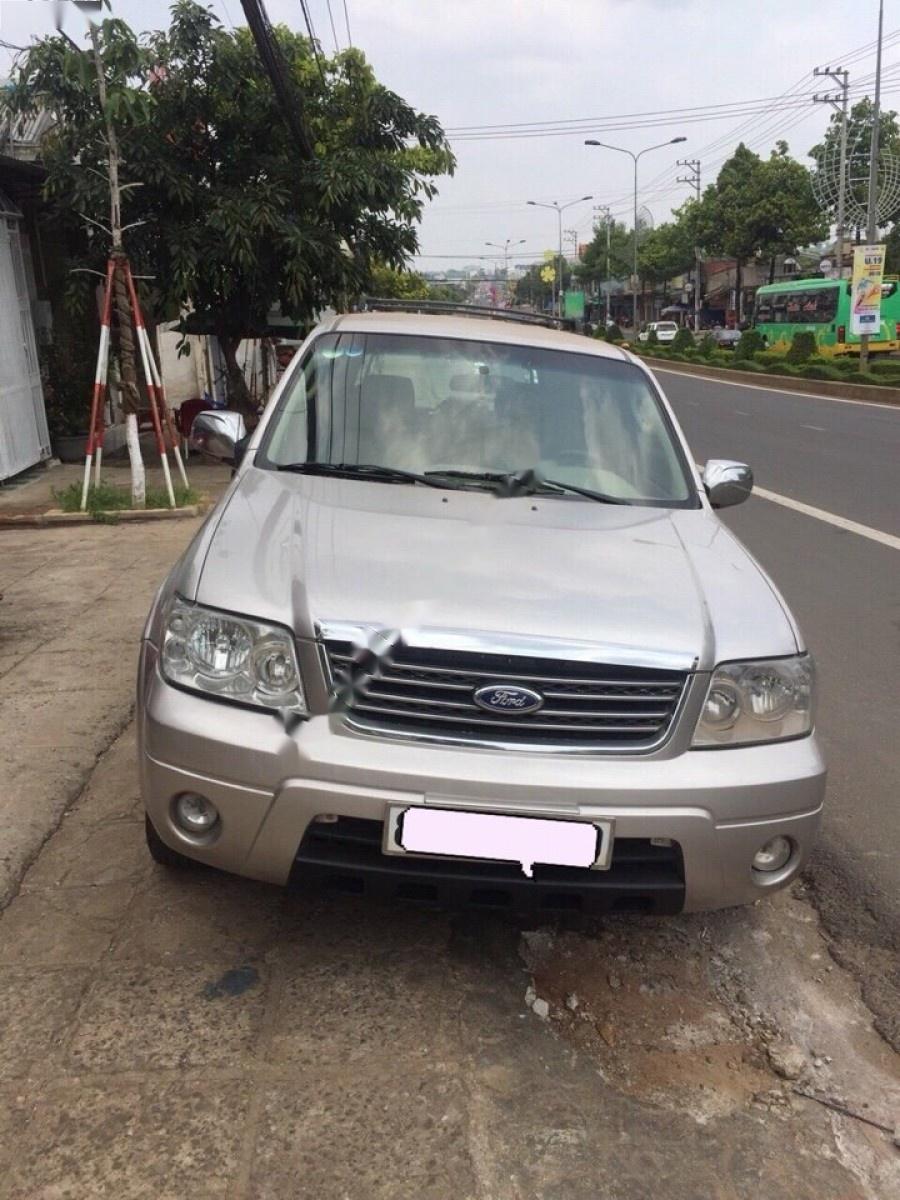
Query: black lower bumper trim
[[345, 856]]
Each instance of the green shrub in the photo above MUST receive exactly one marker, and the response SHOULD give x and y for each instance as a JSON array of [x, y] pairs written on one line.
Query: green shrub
[[866, 377], [802, 347], [751, 342], [707, 346], [819, 371], [884, 366], [781, 367], [600, 332], [747, 364], [652, 339], [615, 334], [683, 340]]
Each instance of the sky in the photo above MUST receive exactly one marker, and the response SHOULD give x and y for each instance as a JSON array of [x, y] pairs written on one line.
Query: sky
[[499, 62]]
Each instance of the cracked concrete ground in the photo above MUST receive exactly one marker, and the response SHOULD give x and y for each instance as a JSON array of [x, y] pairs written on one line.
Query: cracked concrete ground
[[189, 1034]]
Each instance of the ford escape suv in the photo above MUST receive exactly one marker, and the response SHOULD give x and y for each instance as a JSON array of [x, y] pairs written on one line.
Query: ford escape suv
[[466, 627]]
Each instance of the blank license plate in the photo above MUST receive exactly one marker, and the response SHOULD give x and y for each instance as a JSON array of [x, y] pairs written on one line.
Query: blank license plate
[[498, 836]]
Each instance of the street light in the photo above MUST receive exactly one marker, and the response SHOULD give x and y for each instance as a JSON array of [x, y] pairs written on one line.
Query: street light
[[559, 210], [505, 247], [622, 150]]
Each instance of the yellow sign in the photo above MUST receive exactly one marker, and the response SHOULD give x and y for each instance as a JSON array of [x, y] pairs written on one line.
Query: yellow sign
[[865, 291], [548, 274]]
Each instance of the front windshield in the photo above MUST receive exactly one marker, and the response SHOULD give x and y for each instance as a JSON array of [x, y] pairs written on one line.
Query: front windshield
[[425, 404]]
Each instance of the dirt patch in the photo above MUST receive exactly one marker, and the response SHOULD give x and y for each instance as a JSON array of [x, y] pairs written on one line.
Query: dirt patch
[[648, 1012]]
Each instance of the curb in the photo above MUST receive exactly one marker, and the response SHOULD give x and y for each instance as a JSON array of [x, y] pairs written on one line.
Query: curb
[[56, 517], [782, 383]]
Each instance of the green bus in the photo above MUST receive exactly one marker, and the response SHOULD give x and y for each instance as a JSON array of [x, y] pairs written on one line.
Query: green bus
[[822, 306]]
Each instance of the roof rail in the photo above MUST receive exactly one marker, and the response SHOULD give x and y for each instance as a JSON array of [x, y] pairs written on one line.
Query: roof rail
[[451, 308]]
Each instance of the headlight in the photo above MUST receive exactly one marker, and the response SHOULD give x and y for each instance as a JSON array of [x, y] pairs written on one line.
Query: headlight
[[231, 657], [760, 701]]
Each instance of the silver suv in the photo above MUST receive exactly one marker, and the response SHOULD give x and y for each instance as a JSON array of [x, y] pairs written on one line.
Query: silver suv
[[466, 626]]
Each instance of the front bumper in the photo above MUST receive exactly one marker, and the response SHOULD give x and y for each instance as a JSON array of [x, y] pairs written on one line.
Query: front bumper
[[719, 806]]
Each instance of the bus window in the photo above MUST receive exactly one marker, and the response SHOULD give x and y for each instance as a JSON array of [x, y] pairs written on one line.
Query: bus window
[[888, 289], [826, 305], [779, 308]]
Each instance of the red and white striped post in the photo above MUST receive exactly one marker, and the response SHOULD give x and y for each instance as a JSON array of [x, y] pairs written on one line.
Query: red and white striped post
[[144, 344], [96, 428], [154, 379]]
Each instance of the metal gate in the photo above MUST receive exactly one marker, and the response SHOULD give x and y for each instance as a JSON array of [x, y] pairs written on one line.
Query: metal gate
[[24, 439]]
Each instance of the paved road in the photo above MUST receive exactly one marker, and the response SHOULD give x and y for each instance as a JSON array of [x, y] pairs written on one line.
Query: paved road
[[844, 588]]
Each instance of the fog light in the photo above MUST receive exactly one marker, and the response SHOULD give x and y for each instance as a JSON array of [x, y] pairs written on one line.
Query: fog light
[[773, 855], [195, 814]]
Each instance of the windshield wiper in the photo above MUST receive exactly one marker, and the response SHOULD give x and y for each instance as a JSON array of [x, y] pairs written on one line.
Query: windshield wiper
[[528, 482], [359, 471], [557, 484], [491, 477]]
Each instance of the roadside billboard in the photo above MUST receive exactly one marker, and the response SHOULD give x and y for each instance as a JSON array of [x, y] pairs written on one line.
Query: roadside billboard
[[865, 291]]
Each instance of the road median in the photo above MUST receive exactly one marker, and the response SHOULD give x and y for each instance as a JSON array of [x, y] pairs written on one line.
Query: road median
[[781, 383]]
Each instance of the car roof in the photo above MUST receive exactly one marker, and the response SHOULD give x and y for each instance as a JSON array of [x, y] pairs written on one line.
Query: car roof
[[473, 329]]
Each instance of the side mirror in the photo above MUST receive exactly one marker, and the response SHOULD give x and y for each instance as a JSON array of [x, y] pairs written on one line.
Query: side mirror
[[726, 482], [217, 433]]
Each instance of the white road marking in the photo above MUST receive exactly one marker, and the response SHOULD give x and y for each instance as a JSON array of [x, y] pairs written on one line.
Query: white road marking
[[758, 387], [818, 428], [740, 412], [866, 531]]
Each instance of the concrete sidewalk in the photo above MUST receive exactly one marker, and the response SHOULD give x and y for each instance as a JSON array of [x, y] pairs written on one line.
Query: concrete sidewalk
[[74, 603]]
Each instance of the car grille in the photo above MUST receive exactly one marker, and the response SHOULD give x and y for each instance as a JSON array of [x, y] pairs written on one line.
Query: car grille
[[585, 705]]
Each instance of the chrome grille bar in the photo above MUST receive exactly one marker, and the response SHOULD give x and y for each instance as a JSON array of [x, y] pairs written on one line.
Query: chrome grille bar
[[421, 691]]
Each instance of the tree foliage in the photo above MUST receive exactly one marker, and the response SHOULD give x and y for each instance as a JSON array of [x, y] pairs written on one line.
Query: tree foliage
[[592, 268], [532, 288], [668, 250], [859, 144], [759, 208], [234, 220]]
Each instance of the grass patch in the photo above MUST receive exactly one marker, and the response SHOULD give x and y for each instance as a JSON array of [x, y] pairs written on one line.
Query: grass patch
[[110, 499]]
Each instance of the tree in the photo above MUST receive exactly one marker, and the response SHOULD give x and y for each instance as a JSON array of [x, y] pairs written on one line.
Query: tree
[[758, 208], [592, 268], [666, 251], [859, 145], [235, 221], [786, 215], [724, 222], [390, 284], [537, 286]]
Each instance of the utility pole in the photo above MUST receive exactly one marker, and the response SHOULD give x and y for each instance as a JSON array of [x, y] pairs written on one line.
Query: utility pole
[[607, 220], [839, 101], [692, 179], [275, 67], [872, 226]]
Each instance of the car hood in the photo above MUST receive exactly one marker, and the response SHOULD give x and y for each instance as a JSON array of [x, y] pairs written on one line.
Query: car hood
[[305, 550]]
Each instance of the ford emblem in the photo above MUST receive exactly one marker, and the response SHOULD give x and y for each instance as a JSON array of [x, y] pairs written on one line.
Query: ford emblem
[[501, 697]]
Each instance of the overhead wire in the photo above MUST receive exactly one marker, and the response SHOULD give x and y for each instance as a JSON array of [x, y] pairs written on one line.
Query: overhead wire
[[347, 23], [313, 38], [337, 47]]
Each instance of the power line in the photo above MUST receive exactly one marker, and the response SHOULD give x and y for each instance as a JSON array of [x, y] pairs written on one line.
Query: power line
[[337, 48], [313, 39], [746, 109], [347, 23]]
